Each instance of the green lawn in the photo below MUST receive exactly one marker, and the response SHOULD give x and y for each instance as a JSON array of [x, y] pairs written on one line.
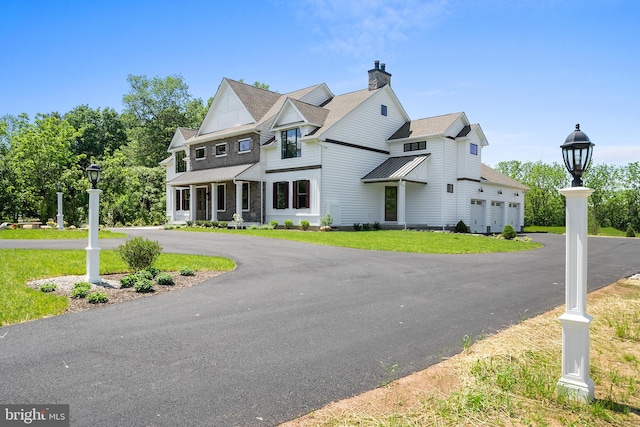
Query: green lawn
[[54, 234], [392, 240], [19, 303], [604, 231]]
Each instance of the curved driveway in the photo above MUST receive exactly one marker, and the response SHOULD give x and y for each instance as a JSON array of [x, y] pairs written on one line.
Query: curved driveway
[[294, 327]]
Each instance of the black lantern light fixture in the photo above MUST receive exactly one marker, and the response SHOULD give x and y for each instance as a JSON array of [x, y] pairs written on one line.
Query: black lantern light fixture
[[93, 173], [576, 152]]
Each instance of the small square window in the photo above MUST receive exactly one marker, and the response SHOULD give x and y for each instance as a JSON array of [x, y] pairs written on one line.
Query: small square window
[[200, 153], [474, 149], [383, 110], [221, 149], [244, 145], [449, 188]]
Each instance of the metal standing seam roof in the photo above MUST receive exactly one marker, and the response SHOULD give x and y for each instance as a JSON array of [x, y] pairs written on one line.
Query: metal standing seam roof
[[395, 168], [210, 175]]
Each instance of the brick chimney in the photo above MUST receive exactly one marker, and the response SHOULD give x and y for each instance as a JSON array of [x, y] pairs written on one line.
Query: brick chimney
[[378, 77]]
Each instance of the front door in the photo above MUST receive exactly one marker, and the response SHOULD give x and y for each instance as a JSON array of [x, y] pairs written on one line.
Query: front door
[[390, 203], [201, 204]]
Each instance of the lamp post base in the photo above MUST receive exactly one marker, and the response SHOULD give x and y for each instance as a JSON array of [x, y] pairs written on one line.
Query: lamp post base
[[576, 382], [60, 222], [93, 265], [577, 390]]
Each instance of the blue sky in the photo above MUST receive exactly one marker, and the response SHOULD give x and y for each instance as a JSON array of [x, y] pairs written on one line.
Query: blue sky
[[526, 70]]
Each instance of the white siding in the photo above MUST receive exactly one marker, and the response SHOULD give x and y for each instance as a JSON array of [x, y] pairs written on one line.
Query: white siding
[[312, 214], [366, 126], [288, 115], [424, 201], [317, 96], [226, 111]]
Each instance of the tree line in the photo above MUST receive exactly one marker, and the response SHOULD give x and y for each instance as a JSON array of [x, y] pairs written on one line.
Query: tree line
[[40, 155], [615, 201]]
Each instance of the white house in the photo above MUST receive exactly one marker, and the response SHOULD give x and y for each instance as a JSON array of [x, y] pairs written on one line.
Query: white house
[[356, 156]]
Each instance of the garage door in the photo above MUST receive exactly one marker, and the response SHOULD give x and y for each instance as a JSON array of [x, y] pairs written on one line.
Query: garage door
[[497, 217], [477, 217], [513, 215]]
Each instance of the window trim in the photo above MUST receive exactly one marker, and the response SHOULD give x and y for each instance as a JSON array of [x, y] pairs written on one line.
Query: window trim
[[284, 145], [285, 187], [383, 110], [246, 194], [473, 149], [204, 153], [240, 141], [415, 146], [222, 186], [450, 188], [297, 194], [180, 161], [215, 149]]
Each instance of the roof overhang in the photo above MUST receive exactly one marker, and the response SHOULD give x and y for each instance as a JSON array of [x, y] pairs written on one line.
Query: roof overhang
[[206, 176], [396, 169]]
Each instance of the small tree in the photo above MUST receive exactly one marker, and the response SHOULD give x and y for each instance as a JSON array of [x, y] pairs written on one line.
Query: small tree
[[139, 253], [630, 231], [461, 227], [508, 232]]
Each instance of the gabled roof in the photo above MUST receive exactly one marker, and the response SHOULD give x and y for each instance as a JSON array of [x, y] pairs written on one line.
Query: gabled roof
[[395, 168], [492, 176], [257, 101], [310, 113], [429, 126], [180, 136], [341, 105]]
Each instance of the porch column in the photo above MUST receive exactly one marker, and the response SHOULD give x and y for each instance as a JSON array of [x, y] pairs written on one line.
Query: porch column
[[192, 202], [171, 197], [239, 198], [401, 202], [214, 201]]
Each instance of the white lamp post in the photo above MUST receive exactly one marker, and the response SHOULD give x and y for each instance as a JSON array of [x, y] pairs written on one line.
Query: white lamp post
[[60, 216], [93, 251], [575, 380]]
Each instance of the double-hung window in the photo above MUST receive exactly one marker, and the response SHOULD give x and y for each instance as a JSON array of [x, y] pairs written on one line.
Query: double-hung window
[[281, 195], [181, 164], [291, 146], [301, 194]]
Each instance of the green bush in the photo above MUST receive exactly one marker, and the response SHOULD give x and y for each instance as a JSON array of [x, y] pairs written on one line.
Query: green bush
[[186, 271], [143, 285], [128, 281], [288, 224], [97, 297], [273, 223], [357, 226], [47, 287], [366, 226], [376, 226], [461, 227], [508, 232], [146, 274], [223, 224], [80, 289], [304, 225], [630, 231], [326, 220], [154, 271], [139, 253], [165, 279]]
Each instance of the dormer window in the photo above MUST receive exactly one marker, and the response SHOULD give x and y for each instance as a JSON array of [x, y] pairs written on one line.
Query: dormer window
[[291, 145]]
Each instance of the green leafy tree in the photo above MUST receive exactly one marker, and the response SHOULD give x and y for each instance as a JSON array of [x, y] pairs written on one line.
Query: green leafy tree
[[154, 108], [40, 158]]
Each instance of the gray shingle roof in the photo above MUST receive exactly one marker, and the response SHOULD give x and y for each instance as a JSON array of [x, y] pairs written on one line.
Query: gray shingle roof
[[257, 101], [426, 127], [395, 168], [210, 175], [187, 132], [312, 113], [494, 177]]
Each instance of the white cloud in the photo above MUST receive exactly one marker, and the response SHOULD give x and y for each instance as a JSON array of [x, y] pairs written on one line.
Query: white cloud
[[364, 27]]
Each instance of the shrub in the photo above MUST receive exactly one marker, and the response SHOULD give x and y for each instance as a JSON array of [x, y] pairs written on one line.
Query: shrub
[[630, 231], [357, 226], [366, 226], [288, 224], [606, 222], [146, 274], [508, 232], [139, 253], [376, 226], [461, 227], [273, 223], [80, 289], [186, 271], [165, 279], [153, 270], [223, 224], [190, 223], [47, 287], [97, 297], [304, 225], [326, 220], [128, 281], [143, 285]]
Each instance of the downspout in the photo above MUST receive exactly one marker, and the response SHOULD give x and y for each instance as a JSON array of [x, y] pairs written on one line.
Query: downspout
[[442, 188]]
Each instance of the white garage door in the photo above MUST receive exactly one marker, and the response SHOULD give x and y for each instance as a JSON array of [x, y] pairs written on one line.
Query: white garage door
[[513, 215], [477, 217], [497, 217]]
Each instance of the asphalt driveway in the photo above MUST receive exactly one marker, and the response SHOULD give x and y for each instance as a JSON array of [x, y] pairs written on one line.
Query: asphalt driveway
[[294, 327]]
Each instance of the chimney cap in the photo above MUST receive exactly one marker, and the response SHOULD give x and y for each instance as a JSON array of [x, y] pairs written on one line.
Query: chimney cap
[[376, 64]]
